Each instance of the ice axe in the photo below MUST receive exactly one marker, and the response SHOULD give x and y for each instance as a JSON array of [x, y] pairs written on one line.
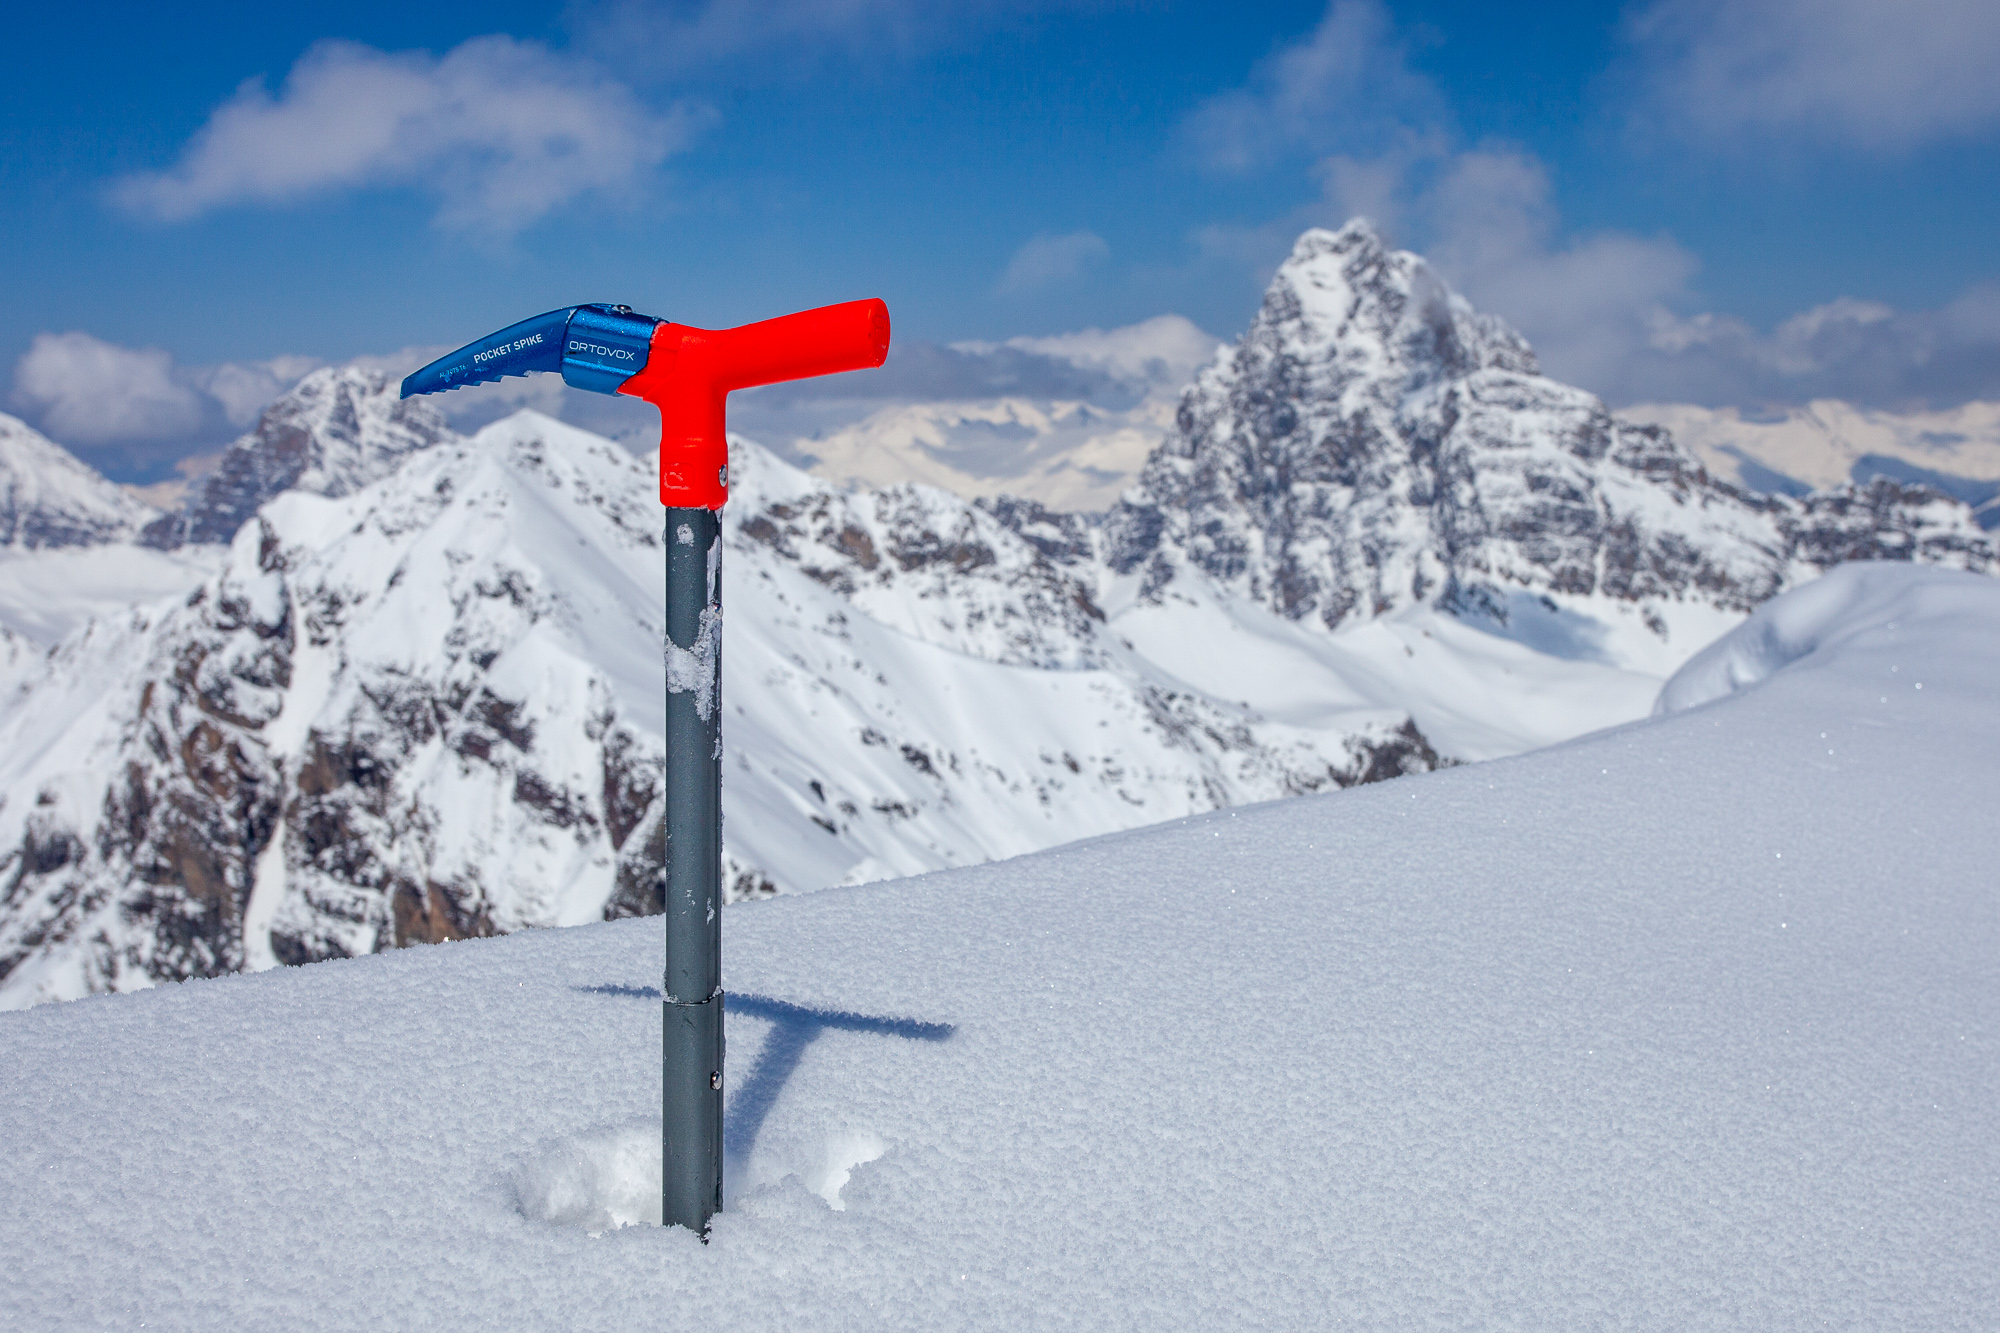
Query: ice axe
[[687, 373]]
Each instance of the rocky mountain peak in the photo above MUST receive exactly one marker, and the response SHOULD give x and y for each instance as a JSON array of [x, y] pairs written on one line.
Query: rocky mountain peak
[[337, 430], [1366, 317], [49, 497], [1373, 443]]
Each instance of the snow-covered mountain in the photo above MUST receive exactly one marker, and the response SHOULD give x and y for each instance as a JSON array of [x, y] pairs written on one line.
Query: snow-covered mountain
[[332, 433], [50, 499], [1374, 443], [67, 550], [432, 709], [1827, 444], [428, 705]]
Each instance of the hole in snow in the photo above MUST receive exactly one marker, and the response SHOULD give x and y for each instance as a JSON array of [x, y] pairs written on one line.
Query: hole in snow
[[600, 1180], [837, 1162], [610, 1178]]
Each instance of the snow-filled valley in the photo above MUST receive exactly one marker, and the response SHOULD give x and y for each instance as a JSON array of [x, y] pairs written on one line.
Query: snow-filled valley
[[1689, 1024]]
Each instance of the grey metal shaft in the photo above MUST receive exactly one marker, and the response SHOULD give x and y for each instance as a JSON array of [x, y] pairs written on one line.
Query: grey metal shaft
[[691, 1042]]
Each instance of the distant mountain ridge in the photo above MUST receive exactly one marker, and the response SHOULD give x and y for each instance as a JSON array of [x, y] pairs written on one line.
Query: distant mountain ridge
[[338, 429], [49, 498], [1829, 444], [1068, 454]]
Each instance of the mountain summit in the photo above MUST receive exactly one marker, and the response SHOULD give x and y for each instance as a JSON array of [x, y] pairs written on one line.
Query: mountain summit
[[332, 433], [50, 498], [1373, 442]]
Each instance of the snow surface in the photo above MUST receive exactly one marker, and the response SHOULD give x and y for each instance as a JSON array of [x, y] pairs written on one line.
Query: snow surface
[[1689, 1025], [1824, 616]]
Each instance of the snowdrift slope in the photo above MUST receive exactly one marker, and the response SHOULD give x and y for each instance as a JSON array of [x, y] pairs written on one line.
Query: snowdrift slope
[[1694, 1024]]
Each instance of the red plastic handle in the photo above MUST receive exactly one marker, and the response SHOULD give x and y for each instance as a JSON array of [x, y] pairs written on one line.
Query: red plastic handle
[[690, 372]]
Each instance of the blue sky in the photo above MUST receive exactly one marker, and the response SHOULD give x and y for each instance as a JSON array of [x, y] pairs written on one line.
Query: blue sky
[[1730, 203]]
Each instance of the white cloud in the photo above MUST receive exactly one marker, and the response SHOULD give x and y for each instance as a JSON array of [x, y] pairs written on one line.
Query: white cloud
[[500, 131], [1163, 352], [243, 389], [1586, 303], [1866, 72], [88, 391], [133, 407], [1860, 351], [1050, 259], [1346, 84]]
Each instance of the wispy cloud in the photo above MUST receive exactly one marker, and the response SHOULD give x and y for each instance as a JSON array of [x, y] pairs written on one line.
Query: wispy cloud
[[1163, 352], [1586, 302], [1346, 84], [499, 131], [88, 391], [1860, 351], [681, 36], [1862, 72], [1047, 260]]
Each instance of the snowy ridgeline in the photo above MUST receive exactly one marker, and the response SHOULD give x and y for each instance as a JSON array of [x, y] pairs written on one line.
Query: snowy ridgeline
[[1826, 444], [1694, 1024]]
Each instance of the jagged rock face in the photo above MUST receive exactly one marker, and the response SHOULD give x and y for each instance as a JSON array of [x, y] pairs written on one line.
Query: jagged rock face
[[433, 708], [1373, 443], [49, 498], [363, 733], [924, 562], [1883, 520], [336, 431]]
